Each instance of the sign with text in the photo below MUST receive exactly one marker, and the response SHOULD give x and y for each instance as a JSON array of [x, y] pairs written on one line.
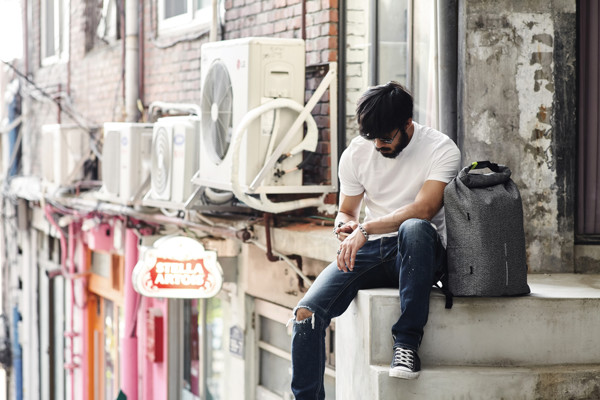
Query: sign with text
[[177, 267]]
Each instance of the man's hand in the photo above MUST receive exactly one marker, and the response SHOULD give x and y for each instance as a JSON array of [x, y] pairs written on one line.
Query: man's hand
[[349, 246], [344, 230]]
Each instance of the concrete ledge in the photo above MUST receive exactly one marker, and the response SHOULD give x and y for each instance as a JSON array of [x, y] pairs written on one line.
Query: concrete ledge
[[557, 324], [481, 383], [307, 240]]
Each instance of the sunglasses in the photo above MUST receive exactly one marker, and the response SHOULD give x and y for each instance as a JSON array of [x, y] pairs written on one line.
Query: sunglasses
[[382, 140]]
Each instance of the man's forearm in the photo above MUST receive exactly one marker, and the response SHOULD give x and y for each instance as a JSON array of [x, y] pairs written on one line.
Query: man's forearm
[[391, 222], [344, 218]]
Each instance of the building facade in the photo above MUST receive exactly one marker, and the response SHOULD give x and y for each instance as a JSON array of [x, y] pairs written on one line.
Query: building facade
[[500, 78]]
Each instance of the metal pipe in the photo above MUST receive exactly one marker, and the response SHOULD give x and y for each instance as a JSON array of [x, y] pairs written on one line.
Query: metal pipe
[[131, 60], [447, 15], [129, 342], [274, 256], [141, 64], [303, 25], [25, 16], [214, 22], [71, 334], [341, 99], [374, 41]]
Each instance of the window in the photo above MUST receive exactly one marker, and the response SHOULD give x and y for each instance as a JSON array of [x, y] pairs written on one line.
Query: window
[[274, 353], [196, 332], [55, 31], [183, 14], [407, 52], [588, 196]]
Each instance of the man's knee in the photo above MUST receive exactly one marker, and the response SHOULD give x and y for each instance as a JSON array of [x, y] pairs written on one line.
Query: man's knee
[[302, 314], [414, 227]]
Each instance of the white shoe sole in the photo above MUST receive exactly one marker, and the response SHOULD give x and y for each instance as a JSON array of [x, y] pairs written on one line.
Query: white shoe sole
[[403, 374]]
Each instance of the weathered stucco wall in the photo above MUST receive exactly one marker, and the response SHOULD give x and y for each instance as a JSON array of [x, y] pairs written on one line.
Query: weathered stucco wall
[[517, 107]]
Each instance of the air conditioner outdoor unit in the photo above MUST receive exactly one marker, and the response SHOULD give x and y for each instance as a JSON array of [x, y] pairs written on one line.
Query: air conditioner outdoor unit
[[238, 76], [63, 150], [125, 160], [175, 155]]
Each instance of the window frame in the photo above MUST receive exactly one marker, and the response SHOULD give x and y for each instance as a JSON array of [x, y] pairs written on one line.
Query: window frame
[[413, 55], [61, 15], [191, 20], [282, 315]]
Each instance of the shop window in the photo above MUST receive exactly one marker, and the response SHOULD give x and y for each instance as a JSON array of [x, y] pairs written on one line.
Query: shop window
[[214, 353], [105, 307], [177, 15], [198, 324], [274, 353], [55, 31]]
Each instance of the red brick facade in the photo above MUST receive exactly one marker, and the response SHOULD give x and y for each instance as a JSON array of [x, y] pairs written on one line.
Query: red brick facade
[[92, 81]]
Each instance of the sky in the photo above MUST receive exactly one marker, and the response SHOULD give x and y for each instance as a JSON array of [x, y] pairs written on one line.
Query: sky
[[10, 30]]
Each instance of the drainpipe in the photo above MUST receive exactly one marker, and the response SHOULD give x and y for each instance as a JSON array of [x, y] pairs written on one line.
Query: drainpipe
[[141, 51], [70, 335], [374, 44], [214, 22], [342, 42], [26, 25], [131, 60], [129, 343], [447, 14], [86, 351]]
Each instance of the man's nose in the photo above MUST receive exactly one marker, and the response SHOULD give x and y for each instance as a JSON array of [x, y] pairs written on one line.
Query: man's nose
[[379, 144]]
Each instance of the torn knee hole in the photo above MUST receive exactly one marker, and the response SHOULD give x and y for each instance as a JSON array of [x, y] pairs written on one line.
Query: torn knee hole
[[303, 314]]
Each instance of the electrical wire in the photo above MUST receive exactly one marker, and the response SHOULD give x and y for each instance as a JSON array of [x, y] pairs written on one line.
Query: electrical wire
[[71, 113]]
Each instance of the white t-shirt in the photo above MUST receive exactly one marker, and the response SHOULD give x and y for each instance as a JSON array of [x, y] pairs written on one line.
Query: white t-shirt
[[390, 183]]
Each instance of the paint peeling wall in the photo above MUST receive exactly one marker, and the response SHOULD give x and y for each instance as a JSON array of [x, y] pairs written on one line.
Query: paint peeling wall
[[516, 61]]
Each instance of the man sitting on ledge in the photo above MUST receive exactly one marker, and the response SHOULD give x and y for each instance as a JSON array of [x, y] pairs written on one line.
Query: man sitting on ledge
[[399, 169]]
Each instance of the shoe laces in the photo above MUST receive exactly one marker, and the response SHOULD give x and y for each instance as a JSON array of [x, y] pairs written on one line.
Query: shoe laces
[[404, 357]]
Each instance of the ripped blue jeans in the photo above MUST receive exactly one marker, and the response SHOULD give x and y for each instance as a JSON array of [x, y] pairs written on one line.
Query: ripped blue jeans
[[408, 262]]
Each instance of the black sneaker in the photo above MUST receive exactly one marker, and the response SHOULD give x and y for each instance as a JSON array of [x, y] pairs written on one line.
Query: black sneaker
[[405, 364]]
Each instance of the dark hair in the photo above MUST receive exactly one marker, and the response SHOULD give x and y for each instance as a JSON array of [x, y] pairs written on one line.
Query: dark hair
[[383, 109]]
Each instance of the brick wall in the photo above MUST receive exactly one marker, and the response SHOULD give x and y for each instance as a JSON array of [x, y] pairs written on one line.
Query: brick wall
[[283, 18], [92, 81]]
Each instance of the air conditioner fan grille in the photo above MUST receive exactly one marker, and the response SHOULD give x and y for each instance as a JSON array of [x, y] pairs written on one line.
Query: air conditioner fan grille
[[217, 110]]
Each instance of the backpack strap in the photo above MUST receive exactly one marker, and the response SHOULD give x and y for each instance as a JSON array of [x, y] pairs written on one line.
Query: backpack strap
[[441, 282]]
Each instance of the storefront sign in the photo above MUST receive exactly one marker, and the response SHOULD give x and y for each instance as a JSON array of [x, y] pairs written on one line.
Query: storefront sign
[[178, 267]]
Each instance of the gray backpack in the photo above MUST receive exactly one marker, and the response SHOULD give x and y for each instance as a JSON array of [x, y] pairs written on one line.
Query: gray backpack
[[486, 240]]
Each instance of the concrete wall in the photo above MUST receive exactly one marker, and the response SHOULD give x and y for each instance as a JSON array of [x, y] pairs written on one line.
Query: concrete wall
[[517, 107]]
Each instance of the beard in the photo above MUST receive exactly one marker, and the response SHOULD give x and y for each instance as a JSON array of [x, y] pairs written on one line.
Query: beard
[[393, 152]]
